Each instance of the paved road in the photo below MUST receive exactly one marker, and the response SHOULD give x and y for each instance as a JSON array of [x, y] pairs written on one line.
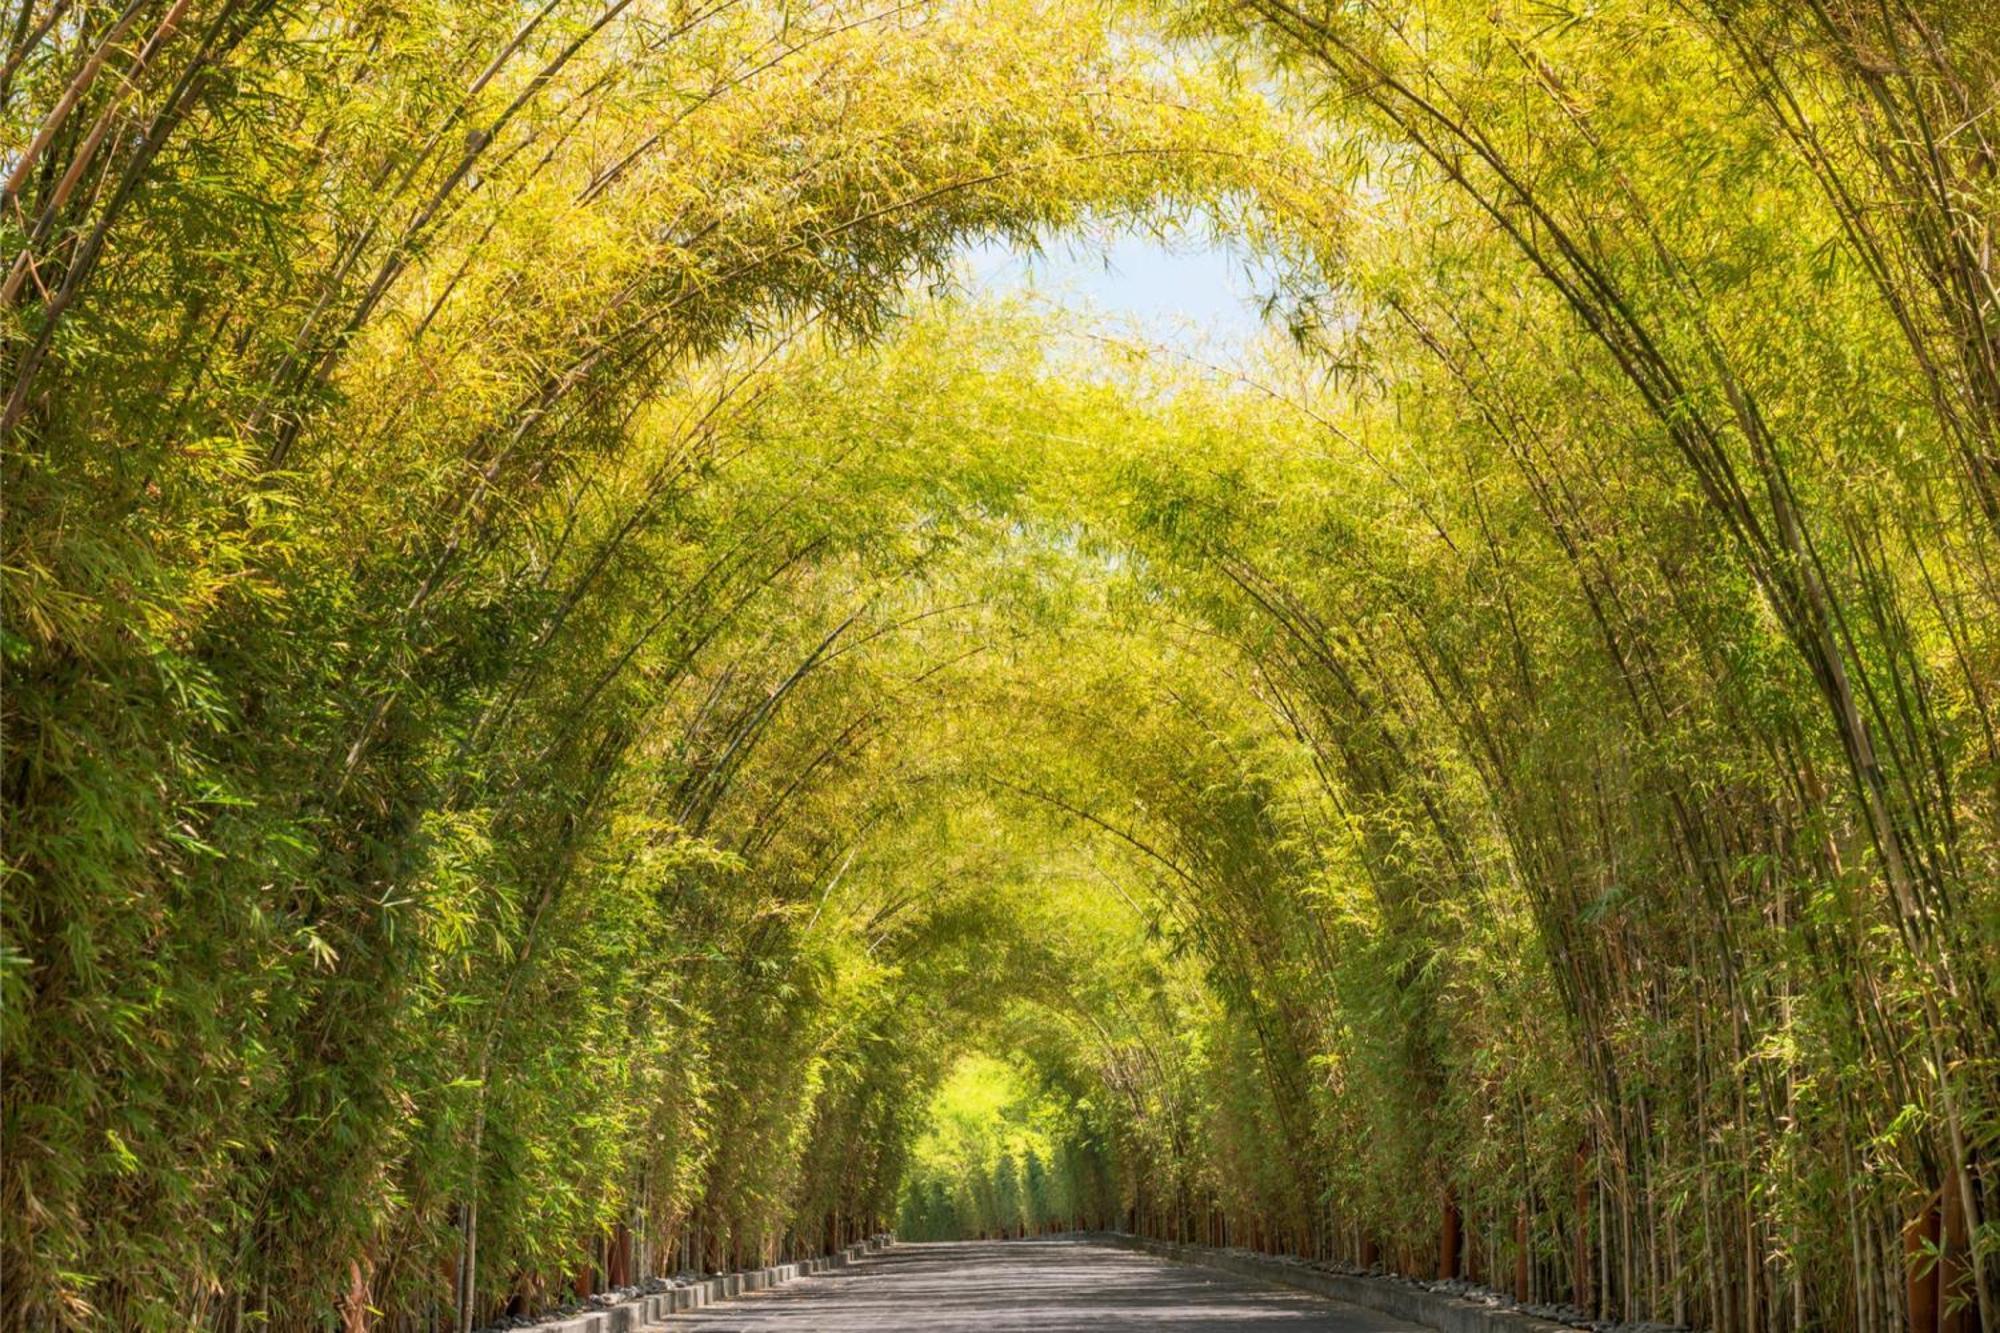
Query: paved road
[[1050, 1286]]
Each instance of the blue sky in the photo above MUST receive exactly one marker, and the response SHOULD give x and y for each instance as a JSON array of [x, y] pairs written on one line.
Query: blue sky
[[1189, 294]]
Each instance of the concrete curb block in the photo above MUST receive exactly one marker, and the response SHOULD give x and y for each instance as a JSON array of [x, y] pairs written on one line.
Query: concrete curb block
[[1445, 1313], [652, 1310]]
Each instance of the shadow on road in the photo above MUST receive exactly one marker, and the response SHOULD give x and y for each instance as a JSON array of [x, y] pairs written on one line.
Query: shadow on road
[[1047, 1285]]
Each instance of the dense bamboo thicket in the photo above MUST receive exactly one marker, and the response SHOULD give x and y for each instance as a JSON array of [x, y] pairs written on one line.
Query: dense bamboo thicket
[[573, 711]]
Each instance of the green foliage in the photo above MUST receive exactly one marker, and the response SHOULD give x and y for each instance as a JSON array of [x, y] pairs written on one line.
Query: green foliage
[[570, 712], [994, 1159]]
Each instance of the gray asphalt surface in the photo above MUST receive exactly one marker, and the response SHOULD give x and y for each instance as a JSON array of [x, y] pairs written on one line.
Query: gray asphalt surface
[[1051, 1286]]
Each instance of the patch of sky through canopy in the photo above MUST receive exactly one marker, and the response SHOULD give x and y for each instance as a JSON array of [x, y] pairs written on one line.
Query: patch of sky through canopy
[[1184, 291]]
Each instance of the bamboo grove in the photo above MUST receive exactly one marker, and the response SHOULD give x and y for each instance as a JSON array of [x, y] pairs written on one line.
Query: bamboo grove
[[575, 708]]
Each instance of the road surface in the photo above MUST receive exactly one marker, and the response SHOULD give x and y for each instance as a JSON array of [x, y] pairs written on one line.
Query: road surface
[[1050, 1286]]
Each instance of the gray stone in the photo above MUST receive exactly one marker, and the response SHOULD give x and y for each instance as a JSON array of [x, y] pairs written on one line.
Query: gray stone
[[1430, 1309]]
